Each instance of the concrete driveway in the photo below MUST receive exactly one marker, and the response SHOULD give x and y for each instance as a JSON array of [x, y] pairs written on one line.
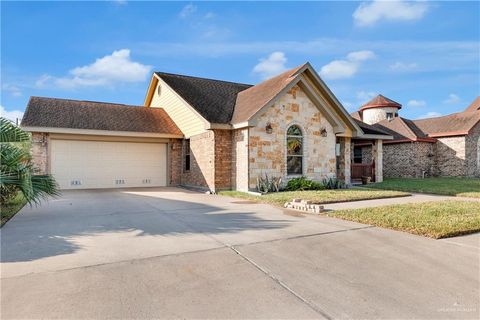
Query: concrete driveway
[[172, 253]]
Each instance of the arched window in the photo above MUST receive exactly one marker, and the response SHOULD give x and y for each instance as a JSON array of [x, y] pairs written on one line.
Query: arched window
[[294, 150]]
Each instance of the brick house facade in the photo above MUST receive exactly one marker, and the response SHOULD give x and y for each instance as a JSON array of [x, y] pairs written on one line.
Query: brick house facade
[[442, 146], [217, 135]]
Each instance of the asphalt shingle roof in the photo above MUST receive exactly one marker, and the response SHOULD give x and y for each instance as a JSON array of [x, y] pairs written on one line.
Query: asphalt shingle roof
[[212, 99], [75, 114]]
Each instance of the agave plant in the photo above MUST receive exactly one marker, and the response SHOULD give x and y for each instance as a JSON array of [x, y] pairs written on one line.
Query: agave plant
[[17, 173]]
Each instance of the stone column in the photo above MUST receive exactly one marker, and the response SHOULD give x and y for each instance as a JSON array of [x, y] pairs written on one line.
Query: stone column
[[344, 159], [377, 155]]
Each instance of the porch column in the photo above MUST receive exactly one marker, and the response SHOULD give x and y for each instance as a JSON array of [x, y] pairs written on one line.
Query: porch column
[[344, 160], [377, 155]]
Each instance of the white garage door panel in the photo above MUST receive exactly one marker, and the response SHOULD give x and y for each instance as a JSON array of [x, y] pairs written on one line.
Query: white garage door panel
[[98, 164]]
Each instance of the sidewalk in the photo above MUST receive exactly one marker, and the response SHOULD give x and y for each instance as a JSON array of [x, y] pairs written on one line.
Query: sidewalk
[[414, 198]]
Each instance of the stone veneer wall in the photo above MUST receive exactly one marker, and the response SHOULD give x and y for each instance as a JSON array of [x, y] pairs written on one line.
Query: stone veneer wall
[[267, 152], [450, 156], [472, 150], [408, 160], [240, 159], [375, 115], [40, 152]]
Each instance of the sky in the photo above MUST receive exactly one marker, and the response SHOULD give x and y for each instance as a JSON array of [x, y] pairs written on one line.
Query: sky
[[424, 55]]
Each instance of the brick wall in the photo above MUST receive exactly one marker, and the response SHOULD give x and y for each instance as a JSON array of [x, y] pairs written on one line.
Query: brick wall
[[40, 152], [175, 162], [267, 152], [472, 150], [450, 156], [201, 173], [223, 159], [408, 160]]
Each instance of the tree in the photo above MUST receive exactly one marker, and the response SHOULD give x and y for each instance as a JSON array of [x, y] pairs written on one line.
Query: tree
[[17, 172]]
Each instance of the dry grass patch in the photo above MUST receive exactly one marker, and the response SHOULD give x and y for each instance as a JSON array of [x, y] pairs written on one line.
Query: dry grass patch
[[460, 187], [318, 196], [440, 219]]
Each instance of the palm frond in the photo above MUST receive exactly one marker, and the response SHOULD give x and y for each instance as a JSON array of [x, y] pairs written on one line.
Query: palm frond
[[9, 132]]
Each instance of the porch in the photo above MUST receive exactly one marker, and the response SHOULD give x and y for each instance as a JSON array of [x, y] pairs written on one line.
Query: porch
[[357, 158]]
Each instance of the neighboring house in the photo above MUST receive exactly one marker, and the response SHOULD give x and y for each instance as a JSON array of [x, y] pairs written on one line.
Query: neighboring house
[[202, 133], [440, 146]]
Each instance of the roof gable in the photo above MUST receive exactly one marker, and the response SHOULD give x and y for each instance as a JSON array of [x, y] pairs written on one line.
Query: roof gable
[[214, 100]]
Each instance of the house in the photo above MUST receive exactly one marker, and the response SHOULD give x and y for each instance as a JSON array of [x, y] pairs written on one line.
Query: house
[[439, 146], [202, 133]]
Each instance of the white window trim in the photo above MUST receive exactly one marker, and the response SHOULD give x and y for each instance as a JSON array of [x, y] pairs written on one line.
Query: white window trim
[[304, 150]]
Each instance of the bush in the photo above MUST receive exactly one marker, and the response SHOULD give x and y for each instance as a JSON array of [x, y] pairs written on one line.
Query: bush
[[302, 183], [333, 183], [267, 184]]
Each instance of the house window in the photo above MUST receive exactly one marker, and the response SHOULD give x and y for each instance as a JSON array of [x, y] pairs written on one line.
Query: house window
[[294, 150], [186, 152], [389, 115], [357, 155]]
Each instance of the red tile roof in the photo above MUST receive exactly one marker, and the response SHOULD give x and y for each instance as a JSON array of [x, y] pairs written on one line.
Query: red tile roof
[[380, 102], [474, 106]]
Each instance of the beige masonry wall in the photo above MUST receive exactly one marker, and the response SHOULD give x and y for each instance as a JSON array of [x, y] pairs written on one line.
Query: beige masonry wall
[[240, 159], [375, 115], [186, 119], [450, 156], [267, 152]]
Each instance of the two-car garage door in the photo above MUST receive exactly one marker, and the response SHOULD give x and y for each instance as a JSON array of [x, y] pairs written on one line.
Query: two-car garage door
[[78, 164]]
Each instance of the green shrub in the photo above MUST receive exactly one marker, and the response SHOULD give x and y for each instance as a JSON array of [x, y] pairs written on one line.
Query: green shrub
[[302, 183], [267, 184], [333, 183]]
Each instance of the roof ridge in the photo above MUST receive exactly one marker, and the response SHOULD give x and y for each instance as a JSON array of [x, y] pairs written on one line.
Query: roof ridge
[[194, 77], [404, 123], [90, 101]]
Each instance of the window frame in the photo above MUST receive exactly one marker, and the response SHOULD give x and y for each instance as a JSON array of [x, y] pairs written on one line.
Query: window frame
[[391, 115], [187, 159], [302, 150]]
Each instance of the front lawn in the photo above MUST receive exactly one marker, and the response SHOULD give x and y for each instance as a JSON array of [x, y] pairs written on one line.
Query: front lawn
[[460, 187], [441, 219], [320, 196], [9, 209]]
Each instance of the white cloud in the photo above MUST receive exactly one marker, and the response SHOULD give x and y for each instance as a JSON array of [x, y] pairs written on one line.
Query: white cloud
[[369, 13], [271, 66], [105, 71], [187, 11], [340, 69], [360, 55], [210, 15], [11, 115], [416, 103], [402, 67], [120, 2], [452, 99], [430, 114], [13, 90], [364, 96]]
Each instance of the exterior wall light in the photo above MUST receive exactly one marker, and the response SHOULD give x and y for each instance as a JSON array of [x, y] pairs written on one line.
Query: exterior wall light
[[269, 128], [323, 132]]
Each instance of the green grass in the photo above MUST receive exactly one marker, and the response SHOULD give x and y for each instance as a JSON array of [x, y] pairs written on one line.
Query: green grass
[[460, 187], [321, 196], [440, 219], [9, 209]]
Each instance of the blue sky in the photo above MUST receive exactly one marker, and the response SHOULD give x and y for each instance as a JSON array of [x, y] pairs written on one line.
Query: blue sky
[[424, 55]]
